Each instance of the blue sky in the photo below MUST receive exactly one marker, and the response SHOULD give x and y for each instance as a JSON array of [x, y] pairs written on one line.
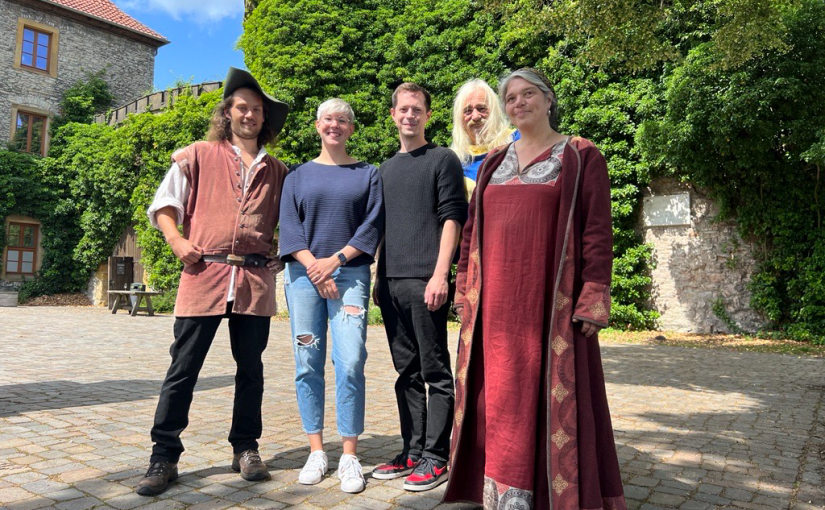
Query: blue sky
[[202, 35]]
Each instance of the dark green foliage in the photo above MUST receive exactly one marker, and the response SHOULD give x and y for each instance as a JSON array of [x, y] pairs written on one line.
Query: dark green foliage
[[607, 109], [307, 51], [634, 36], [95, 181], [25, 192], [753, 137], [153, 138], [82, 101]]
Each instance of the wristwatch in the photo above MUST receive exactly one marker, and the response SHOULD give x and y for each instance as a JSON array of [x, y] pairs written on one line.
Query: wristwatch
[[341, 258]]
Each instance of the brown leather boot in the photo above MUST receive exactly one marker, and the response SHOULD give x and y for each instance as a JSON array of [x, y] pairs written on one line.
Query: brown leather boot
[[250, 465], [157, 478]]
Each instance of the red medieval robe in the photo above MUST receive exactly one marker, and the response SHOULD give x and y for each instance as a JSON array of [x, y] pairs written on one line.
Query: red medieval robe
[[577, 466]]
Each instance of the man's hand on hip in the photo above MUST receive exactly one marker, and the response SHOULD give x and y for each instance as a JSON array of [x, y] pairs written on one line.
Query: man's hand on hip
[[187, 252], [275, 265], [435, 295]]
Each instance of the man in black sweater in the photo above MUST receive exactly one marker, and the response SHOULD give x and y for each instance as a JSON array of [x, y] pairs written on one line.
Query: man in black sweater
[[425, 209]]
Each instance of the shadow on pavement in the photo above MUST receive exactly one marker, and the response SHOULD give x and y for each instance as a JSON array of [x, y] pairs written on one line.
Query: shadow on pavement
[[727, 429], [22, 398]]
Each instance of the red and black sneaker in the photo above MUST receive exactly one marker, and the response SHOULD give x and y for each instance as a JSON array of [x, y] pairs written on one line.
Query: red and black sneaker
[[401, 465], [428, 474]]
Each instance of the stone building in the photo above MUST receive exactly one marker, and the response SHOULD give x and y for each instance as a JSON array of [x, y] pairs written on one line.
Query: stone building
[[46, 46], [699, 261]]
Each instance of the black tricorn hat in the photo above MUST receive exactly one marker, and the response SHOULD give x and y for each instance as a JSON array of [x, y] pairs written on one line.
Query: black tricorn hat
[[276, 110]]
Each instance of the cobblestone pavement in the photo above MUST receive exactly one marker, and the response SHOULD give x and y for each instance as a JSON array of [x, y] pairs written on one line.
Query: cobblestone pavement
[[696, 429]]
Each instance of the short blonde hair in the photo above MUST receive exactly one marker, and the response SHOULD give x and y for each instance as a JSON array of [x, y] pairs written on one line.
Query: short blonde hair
[[335, 105], [496, 130]]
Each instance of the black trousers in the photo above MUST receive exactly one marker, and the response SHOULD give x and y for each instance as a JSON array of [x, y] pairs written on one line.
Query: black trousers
[[248, 335], [418, 344]]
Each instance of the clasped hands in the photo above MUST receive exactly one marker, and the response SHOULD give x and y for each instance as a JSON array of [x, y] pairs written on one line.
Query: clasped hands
[[320, 272]]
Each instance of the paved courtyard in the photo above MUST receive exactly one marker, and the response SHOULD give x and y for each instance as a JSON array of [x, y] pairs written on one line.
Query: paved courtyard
[[696, 429]]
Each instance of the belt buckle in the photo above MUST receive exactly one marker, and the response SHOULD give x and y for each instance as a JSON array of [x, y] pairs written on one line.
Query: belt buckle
[[234, 260]]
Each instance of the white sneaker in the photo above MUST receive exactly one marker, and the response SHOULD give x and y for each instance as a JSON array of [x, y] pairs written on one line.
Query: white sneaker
[[349, 472], [315, 468]]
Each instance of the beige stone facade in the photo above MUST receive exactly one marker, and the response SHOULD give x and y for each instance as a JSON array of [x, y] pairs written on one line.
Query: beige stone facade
[[697, 263]]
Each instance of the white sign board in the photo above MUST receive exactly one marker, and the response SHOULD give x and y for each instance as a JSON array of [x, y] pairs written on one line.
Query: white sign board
[[666, 210]]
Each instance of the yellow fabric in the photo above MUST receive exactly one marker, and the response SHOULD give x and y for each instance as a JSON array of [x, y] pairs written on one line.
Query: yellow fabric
[[475, 150], [469, 186]]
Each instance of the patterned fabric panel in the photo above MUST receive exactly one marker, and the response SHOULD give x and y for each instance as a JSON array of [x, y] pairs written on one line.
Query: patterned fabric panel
[[499, 496], [545, 171]]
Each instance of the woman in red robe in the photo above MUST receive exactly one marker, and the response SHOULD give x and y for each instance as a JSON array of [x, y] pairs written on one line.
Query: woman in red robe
[[532, 428]]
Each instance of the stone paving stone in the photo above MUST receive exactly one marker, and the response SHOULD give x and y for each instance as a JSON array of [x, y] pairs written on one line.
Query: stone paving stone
[[368, 503], [83, 395], [416, 501], [12, 494], [78, 504], [30, 504], [192, 497], [659, 498], [694, 505], [127, 501]]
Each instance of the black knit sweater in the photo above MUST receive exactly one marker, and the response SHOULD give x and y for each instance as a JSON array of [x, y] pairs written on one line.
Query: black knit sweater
[[422, 189]]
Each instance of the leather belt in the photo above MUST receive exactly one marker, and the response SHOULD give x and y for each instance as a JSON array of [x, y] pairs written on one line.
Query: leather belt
[[251, 260]]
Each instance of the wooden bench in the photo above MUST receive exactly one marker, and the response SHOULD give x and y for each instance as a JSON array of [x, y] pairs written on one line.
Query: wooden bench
[[122, 300]]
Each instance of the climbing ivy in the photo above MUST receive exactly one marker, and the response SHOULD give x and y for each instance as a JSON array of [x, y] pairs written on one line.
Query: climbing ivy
[[95, 181], [307, 51], [753, 136]]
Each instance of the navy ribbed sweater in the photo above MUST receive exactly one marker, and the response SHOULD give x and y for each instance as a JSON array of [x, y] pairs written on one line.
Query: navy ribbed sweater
[[326, 207], [422, 189]]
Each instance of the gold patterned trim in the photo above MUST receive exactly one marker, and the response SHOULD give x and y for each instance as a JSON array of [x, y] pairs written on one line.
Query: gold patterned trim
[[466, 336], [474, 256], [462, 374], [472, 296], [559, 345], [560, 438], [560, 484], [560, 392], [598, 310], [561, 301], [459, 417]]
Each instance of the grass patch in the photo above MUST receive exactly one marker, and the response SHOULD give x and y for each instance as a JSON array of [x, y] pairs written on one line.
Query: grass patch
[[737, 343]]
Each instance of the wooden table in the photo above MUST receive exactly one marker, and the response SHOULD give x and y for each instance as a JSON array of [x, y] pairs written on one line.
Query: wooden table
[[122, 301]]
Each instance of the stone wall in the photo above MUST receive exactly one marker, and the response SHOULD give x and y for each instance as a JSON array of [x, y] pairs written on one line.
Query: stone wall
[[697, 263], [129, 64]]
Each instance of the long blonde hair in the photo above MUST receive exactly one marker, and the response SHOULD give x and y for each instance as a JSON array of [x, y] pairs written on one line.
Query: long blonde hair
[[496, 130]]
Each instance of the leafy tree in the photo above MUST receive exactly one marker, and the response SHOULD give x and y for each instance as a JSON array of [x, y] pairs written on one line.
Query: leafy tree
[[154, 137], [83, 100], [639, 35], [96, 181], [307, 51], [753, 136]]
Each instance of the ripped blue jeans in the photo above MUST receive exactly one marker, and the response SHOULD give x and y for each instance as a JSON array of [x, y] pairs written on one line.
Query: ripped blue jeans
[[347, 317]]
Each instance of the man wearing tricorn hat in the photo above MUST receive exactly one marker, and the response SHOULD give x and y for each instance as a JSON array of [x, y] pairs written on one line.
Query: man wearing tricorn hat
[[225, 192]]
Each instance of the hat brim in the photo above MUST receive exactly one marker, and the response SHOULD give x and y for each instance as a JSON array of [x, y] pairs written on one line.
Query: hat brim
[[276, 111]]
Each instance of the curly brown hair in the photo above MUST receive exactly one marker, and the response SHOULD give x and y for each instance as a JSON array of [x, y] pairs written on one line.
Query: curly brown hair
[[220, 127]]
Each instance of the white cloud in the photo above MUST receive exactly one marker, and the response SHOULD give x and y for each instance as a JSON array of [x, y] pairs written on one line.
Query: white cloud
[[200, 11]]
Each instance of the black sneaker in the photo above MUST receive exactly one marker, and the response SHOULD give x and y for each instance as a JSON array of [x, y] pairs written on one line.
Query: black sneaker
[[157, 478], [428, 474], [401, 465]]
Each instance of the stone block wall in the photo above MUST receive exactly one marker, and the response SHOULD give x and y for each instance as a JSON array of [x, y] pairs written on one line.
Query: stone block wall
[[697, 264], [129, 64]]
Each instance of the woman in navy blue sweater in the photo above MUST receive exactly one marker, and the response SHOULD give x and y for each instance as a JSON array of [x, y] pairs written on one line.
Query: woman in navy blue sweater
[[331, 222]]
